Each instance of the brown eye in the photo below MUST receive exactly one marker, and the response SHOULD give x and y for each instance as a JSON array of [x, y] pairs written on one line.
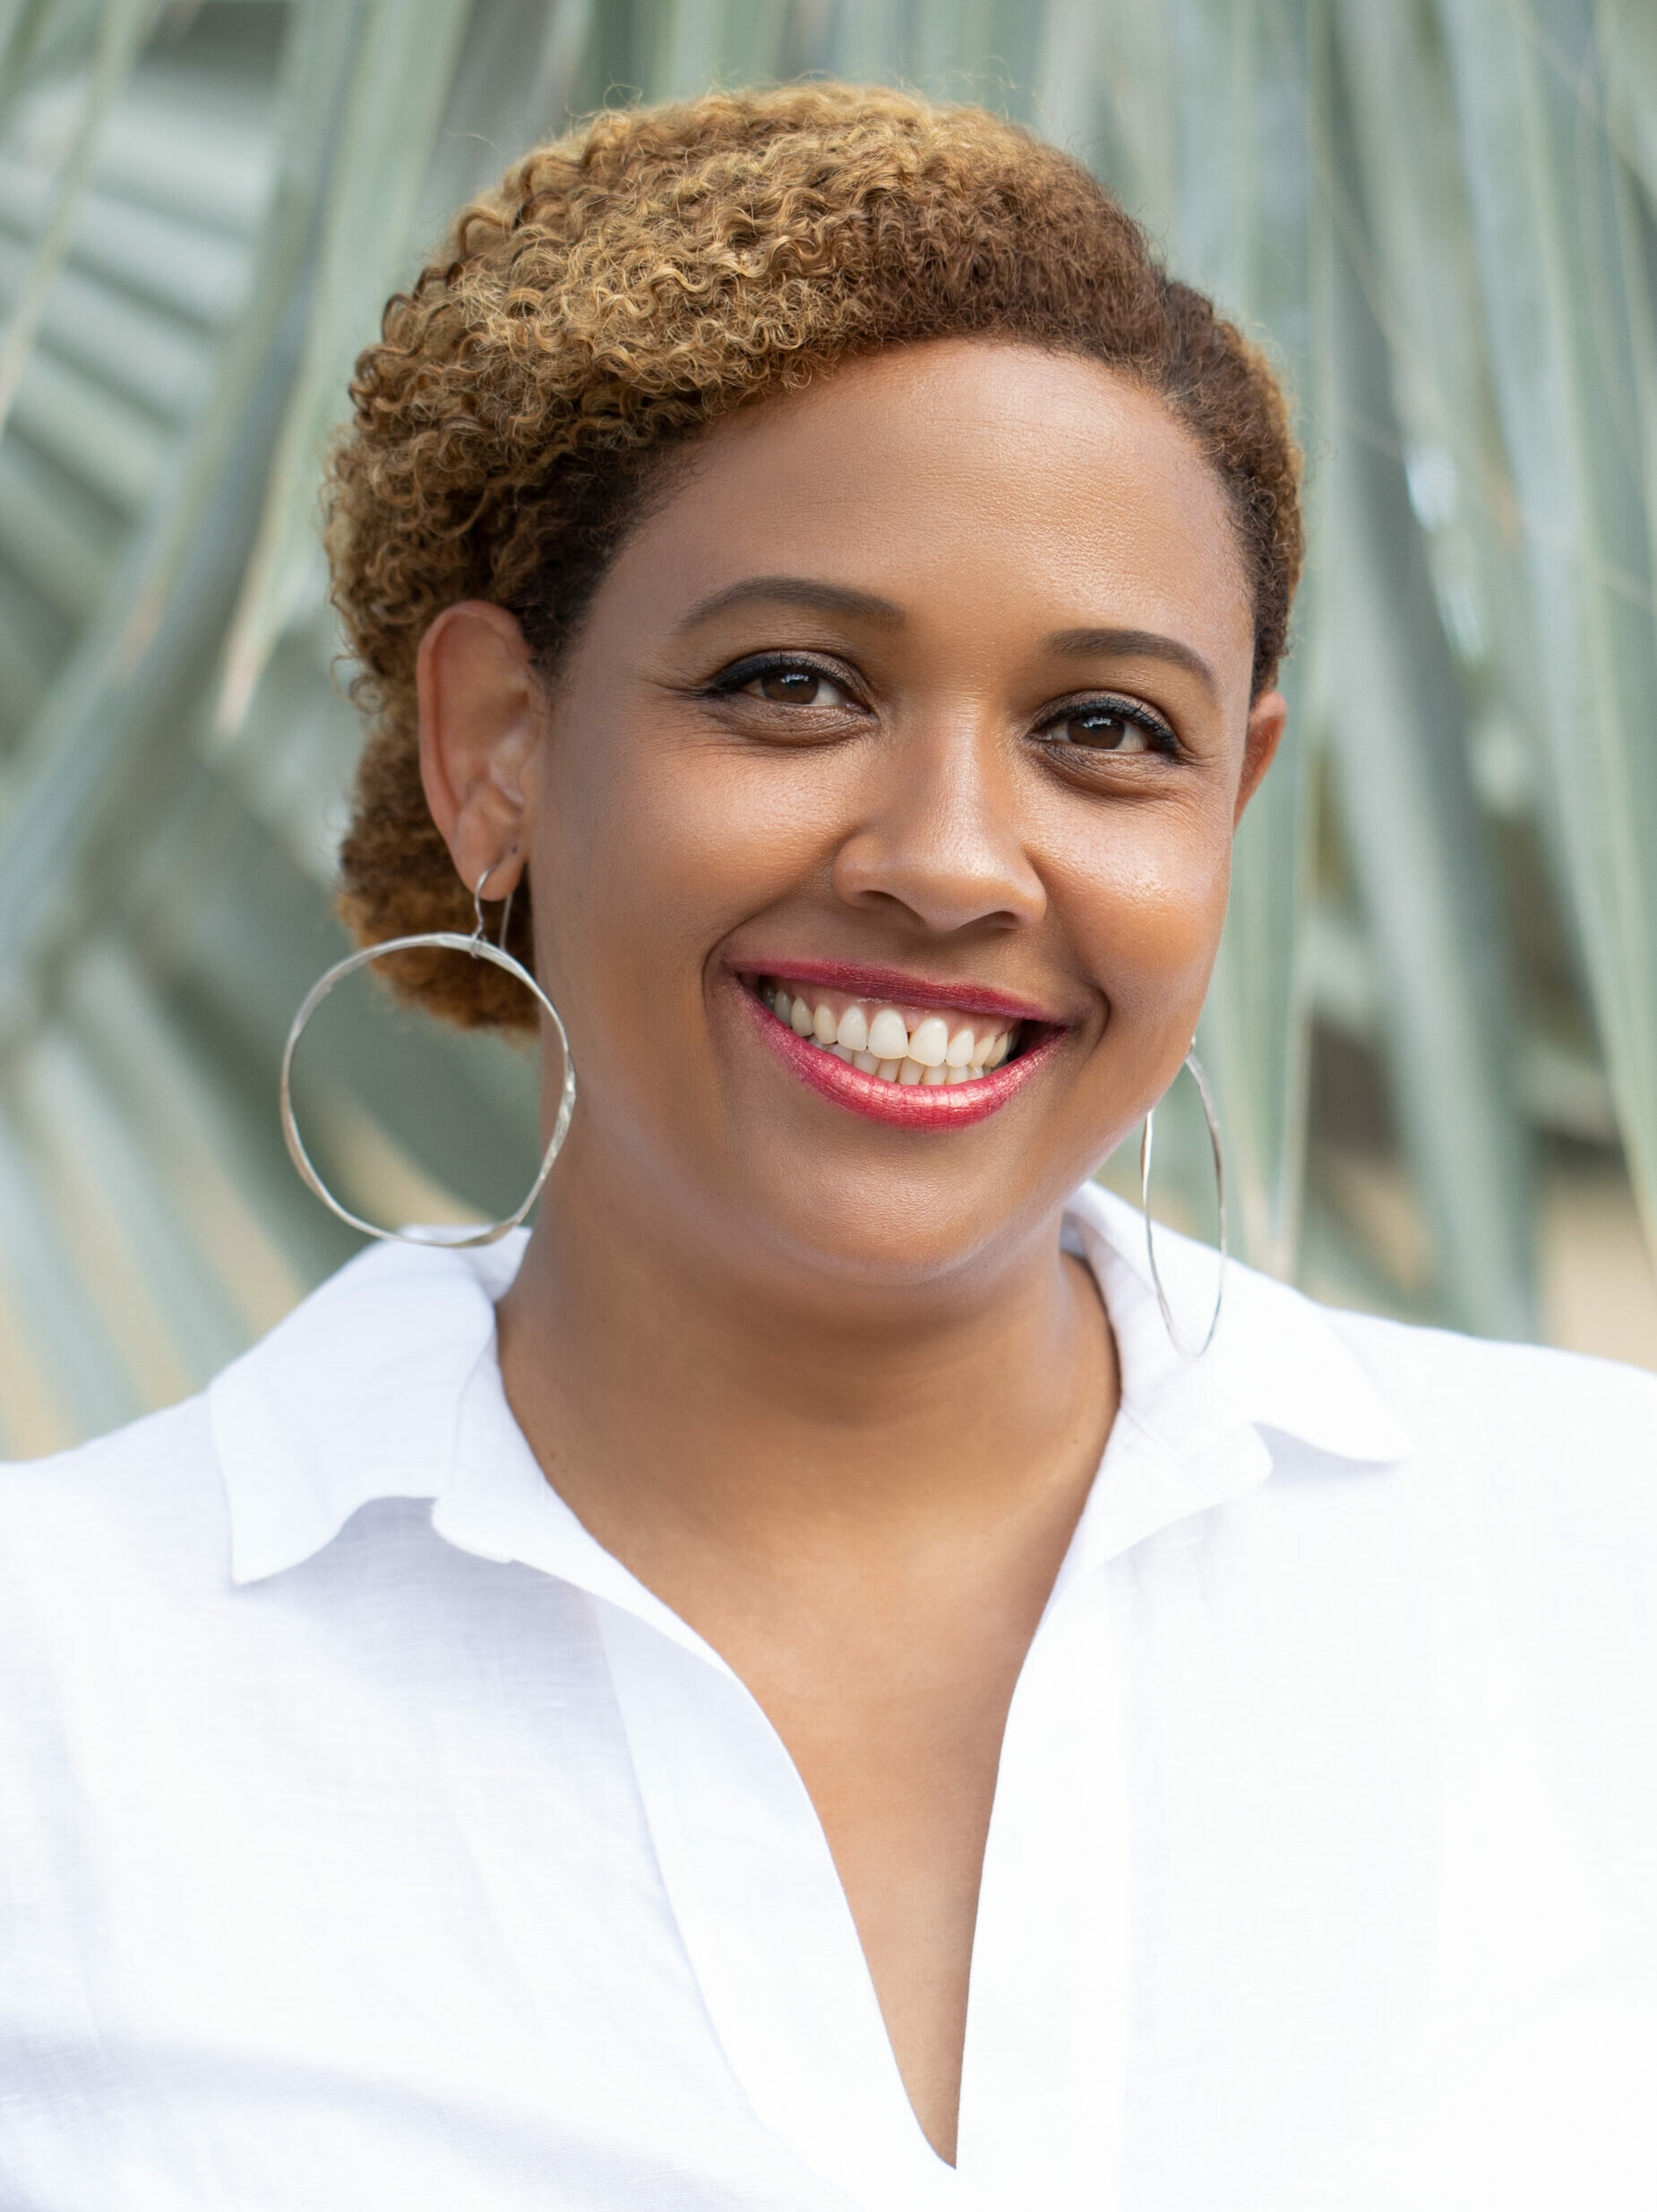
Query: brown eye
[[1103, 729], [796, 687]]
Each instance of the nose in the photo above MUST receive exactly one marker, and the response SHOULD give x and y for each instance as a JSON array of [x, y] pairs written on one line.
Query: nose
[[941, 839]]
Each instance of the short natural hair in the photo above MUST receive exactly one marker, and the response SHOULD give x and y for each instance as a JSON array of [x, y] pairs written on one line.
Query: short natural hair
[[630, 285]]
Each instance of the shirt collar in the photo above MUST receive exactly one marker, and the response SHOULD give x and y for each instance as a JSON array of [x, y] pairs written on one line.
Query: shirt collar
[[383, 1385], [1277, 1359]]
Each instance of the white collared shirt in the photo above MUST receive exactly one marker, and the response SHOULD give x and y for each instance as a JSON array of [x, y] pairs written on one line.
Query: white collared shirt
[[371, 1839]]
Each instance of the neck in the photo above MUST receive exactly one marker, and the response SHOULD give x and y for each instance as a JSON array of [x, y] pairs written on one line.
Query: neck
[[690, 1409]]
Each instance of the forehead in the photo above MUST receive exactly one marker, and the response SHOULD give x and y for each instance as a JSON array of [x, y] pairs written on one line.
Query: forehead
[[962, 472]]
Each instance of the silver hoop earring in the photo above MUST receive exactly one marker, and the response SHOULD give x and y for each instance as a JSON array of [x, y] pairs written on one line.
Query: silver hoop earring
[[479, 946], [1169, 1323]]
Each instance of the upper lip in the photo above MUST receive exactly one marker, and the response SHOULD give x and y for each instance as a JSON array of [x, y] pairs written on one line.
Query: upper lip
[[893, 986]]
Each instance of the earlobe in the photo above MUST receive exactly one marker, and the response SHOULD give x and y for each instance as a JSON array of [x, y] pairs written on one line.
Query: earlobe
[[1267, 718], [480, 723]]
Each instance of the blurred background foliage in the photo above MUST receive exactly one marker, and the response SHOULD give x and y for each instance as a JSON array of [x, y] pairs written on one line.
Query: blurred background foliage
[[1433, 1029]]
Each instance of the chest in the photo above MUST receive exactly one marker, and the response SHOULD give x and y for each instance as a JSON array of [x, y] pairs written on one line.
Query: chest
[[538, 1890], [900, 1766]]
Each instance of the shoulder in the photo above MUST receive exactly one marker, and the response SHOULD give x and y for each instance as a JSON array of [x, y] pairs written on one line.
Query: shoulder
[[350, 1399], [1534, 1473], [134, 1520], [1522, 1509], [1354, 1388], [1524, 1409], [158, 1474]]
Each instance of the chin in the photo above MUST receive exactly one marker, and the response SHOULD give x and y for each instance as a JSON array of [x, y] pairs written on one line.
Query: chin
[[894, 1233]]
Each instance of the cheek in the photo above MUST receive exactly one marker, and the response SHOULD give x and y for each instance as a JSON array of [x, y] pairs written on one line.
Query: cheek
[[1145, 898], [653, 851]]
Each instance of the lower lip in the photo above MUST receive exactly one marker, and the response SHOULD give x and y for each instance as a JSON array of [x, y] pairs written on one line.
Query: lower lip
[[900, 1105]]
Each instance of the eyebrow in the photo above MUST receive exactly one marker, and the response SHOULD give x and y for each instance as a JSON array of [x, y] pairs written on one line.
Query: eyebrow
[[796, 591], [826, 598], [1146, 645]]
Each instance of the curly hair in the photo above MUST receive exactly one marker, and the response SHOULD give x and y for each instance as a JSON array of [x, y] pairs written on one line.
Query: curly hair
[[624, 288]]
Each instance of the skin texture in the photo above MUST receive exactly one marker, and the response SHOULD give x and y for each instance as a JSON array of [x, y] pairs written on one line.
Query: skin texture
[[829, 1387]]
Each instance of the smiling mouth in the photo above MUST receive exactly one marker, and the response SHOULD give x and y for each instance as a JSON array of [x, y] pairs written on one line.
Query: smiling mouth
[[916, 1067], [931, 1046]]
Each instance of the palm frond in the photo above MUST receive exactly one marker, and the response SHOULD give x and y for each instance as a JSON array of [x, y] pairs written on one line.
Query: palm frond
[[1435, 215]]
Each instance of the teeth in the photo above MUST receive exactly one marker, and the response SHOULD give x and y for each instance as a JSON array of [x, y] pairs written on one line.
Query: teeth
[[883, 1044], [887, 1036], [929, 1041]]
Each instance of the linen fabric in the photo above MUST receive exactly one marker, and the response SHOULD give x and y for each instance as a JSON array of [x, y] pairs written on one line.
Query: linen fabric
[[371, 1838]]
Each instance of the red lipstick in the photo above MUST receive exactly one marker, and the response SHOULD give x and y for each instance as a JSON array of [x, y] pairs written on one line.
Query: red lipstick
[[892, 986], [900, 1105]]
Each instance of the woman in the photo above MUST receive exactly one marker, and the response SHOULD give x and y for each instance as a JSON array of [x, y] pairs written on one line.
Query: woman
[[791, 1688]]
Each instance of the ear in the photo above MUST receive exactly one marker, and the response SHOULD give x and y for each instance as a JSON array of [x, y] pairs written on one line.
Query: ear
[[480, 719], [1267, 720]]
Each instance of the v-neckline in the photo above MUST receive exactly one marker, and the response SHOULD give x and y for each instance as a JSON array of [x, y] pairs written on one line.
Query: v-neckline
[[759, 1903]]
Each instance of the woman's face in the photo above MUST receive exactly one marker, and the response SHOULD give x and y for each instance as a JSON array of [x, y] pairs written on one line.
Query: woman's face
[[921, 700]]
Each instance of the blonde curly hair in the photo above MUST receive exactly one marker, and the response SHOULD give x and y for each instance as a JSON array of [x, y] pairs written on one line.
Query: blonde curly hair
[[624, 288]]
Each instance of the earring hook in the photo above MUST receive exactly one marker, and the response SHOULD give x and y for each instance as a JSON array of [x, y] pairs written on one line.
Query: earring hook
[[480, 935]]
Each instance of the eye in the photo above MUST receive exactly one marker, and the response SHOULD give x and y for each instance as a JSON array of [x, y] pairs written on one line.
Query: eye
[[782, 679], [795, 686], [823, 704], [1110, 726]]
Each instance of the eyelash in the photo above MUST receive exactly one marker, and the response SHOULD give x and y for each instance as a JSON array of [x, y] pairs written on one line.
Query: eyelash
[[732, 681], [1163, 740]]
